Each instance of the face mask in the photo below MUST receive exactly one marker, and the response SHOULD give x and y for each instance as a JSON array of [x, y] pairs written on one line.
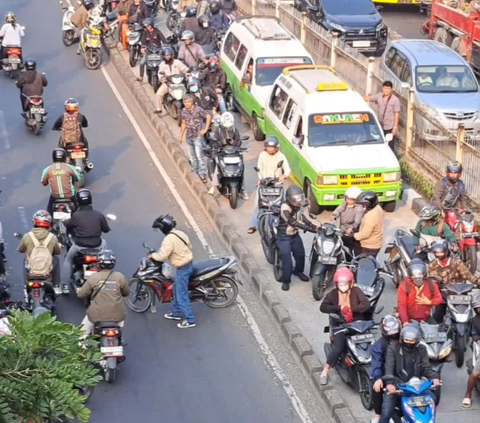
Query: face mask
[[418, 281], [343, 288], [408, 347], [194, 89]]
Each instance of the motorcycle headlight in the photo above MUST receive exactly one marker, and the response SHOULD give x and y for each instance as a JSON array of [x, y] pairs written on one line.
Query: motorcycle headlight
[[177, 79], [177, 93], [327, 180], [391, 177], [445, 352], [327, 246]]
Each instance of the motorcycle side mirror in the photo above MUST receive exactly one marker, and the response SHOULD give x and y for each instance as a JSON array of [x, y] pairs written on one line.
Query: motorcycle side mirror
[[245, 137], [17, 235], [414, 232], [145, 245], [111, 217], [379, 310], [256, 169], [280, 164]]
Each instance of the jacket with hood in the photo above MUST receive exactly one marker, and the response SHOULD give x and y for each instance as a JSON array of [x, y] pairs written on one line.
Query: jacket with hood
[[32, 82], [27, 245], [229, 6], [219, 20]]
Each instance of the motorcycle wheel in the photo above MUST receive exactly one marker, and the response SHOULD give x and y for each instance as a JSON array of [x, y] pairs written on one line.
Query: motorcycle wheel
[[471, 258], [85, 391], [139, 290], [220, 286], [37, 128], [460, 351], [171, 21], [366, 388], [269, 251], [233, 197], [68, 37], [320, 283], [93, 59], [397, 276], [172, 111], [278, 265], [110, 375], [134, 56]]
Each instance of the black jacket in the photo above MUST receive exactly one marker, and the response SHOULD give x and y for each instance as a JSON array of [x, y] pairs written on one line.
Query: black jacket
[[359, 303], [207, 100], [155, 37], [395, 366], [86, 227], [137, 13], [190, 24], [217, 79], [31, 83], [205, 36]]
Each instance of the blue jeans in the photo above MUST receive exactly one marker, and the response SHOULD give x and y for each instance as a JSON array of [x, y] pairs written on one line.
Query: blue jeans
[[197, 156], [221, 103], [181, 300]]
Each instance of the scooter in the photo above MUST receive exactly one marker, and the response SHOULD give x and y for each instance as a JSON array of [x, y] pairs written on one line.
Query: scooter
[[76, 156], [154, 58], [173, 99], [111, 348], [35, 114], [69, 32], [134, 35], [90, 46], [13, 63], [62, 210]]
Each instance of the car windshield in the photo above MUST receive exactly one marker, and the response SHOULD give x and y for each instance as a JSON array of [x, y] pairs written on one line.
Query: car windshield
[[269, 68], [445, 79], [349, 7], [343, 129]]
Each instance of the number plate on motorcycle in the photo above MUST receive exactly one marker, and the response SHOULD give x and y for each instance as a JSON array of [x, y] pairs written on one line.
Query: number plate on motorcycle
[[14, 60], [366, 337], [435, 337], [271, 191], [460, 299], [78, 154], [88, 273], [35, 110], [231, 160], [154, 57], [419, 401], [61, 215], [328, 260], [115, 351]]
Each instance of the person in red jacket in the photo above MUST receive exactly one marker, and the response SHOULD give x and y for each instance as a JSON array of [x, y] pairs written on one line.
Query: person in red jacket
[[417, 295]]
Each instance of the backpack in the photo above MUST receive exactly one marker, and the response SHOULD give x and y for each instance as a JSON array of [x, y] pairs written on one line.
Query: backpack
[[70, 129], [452, 193], [40, 261]]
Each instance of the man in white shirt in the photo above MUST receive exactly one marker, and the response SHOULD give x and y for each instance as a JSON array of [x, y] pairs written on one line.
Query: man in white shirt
[[268, 164], [11, 35]]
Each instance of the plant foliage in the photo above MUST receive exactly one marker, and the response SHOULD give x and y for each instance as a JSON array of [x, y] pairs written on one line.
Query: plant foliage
[[41, 364]]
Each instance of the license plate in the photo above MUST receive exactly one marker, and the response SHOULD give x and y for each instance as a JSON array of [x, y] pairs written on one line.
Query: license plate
[[88, 273], [460, 299], [61, 215], [328, 260], [271, 191], [231, 160], [78, 154], [470, 235], [361, 44], [418, 401], [35, 110], [359, 339], [154, 57], [115, 351], [14, 60], [436, 337]]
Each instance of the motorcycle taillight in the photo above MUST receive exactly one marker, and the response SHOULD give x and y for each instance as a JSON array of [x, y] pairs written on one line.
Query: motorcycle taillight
[[14, 52]]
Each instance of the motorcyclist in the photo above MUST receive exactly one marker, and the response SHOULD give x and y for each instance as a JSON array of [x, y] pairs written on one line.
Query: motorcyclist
[[417, 294], [267, 164], [292, 218], [177, 248], [449, 192], [213, 76], [71, 123], [205, 35], [349, 212], [475, 375], [190, 52], [151, 36], [86, 226], [431, 223], [42, 223], [229, 7], [137, 12], [218, 18], [80, 18], [61, 178], [30, 83], [350, 303], [202, 8], [11, 34], [168, 67], [106, 290], [190, 23], [204, 97], [405, 360], [390, 327], [123, 9]]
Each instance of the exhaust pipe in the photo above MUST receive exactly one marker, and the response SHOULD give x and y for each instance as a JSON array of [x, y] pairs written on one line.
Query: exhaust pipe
[[90, 166]]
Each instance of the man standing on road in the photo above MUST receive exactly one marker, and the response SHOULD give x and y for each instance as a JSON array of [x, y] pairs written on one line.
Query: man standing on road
[[388, 110], [194, 118]]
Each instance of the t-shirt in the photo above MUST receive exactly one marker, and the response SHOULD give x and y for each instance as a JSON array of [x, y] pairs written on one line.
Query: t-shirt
[[194, 119]]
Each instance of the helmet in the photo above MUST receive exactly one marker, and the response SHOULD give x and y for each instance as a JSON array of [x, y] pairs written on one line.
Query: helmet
[[166, 222], [343, 275], [454, 170], [227, 120], [193, 85], [10, 17], [71, 105], [432, 213], [168, 51], [84, 197], [148, 22], [368, 198], [410, 337], [190, 12], [390, 326], [59, 155], [353, 193], [30, 64], [106, 259], [417, 270], [215, 6], [271, 142], [214, 63], [440, 249], [42, 219], [188, 35], [203, 21], [295, 196], [88, 4]]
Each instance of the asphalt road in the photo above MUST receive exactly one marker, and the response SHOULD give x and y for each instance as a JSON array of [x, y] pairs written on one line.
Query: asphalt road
[[404, 19], [214, 373]]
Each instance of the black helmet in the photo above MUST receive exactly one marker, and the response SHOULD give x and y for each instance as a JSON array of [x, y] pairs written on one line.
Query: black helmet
[[203, 21], [410, 337], [190, 12], [215, 6], [88, 4], [417, 270], [59, 155], [30, 64], [390, 326], [84, 197], [440, 249], [454, 170], [148, 22], [107, 259], [166, 222], [168, 51], [368, 198], [431, 213], [271, 142], [295, 196]]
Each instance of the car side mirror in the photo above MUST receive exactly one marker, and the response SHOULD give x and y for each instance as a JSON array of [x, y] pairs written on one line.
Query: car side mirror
[[389, 137], [298, 140], [280, 164], [245, 137]]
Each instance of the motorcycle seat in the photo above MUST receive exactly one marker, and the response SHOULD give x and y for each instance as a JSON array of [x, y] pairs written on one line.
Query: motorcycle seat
[[107, 325], [90, 251], [407, 243], [204, 267], [360, 326], [62, 201], [366, 271]]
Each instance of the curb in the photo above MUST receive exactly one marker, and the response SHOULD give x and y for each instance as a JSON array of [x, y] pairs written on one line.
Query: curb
[[298, 344]]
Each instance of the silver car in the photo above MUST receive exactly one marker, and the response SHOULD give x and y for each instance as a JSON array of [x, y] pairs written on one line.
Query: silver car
[[445, 86]]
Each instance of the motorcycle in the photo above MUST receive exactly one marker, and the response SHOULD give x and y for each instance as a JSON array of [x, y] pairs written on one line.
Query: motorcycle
[[471, 362], [154, 58], [353, 366], [90, 46], [172, 41], [175, 19], [171, 5], [13, 63], [210, 282], [173, 99], [62, 210], [134, 43], [77, 156], [463, 223], [69, 32], [111, 348], [152, 6], [35, 114]]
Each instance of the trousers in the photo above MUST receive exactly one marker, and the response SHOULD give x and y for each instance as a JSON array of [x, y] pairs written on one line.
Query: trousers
[[70, 257], [288, 246], [181, 300], [339, 345], [88, 326]]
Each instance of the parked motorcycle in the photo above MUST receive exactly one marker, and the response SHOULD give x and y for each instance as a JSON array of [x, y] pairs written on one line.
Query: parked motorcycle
[[69, 32], [77, 156], [213, 282], [154, 58], [90, 46], [111, 348], [12, 64], [173, 100], [134, 43], [35, 114], [353, 366]]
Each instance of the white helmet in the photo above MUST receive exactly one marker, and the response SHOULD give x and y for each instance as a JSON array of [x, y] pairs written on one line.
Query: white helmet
[[352, 192], [227, 120]]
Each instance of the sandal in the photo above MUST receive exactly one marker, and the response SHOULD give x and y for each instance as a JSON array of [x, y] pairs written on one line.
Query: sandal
[[252, 230], [467, 403]]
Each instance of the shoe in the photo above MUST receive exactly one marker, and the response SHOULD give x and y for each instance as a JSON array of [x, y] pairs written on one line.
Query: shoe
[[65, 289], [302, 276], [243, 195], [285, 286], [252, 230], [375, 420], [58, 291], [78, 53], [211, 191], [158, 111], [186, 325], [170, 316], [323, 380]]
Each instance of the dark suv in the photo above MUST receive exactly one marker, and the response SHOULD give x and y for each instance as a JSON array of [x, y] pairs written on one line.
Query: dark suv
[[357, 21]]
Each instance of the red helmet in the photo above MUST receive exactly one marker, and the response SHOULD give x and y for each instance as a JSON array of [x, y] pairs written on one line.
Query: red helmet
[[343, 275]]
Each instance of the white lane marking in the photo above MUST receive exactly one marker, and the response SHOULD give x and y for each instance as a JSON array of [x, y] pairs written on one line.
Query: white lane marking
[[23, 217], [271, 361], [3, 131]]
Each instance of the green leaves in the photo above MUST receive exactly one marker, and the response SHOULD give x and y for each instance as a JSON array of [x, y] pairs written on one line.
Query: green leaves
[[41, 364]]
